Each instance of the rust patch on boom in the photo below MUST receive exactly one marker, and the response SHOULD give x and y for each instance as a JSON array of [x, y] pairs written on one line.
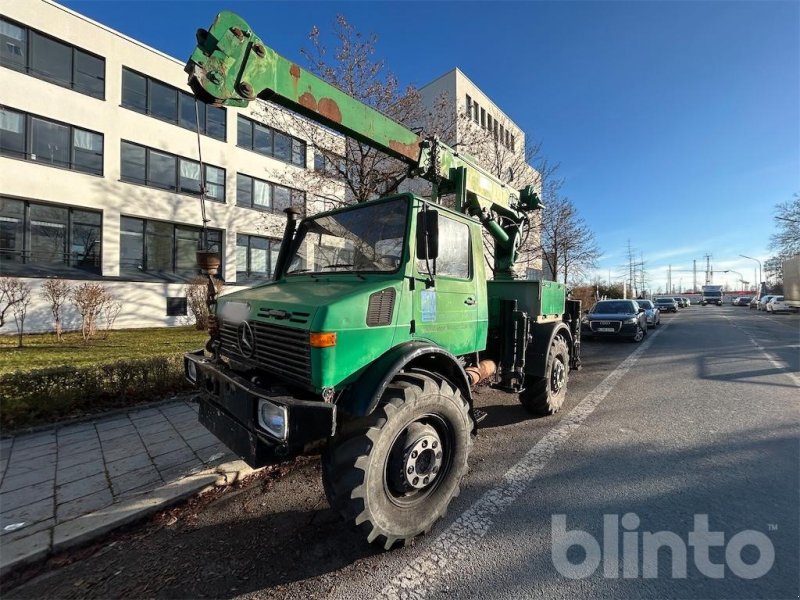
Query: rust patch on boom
[[307, 100], [408, 150], [294, 71], [330, 110]]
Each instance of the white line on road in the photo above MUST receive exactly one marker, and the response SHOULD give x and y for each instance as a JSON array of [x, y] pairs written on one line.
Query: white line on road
[[780, 365], [417, 578]]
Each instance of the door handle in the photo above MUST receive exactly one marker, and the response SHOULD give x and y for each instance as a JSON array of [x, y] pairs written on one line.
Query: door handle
[[470, 301]]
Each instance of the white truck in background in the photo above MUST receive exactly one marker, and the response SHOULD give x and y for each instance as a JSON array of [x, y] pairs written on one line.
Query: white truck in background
[[712, 294], [791, 281]]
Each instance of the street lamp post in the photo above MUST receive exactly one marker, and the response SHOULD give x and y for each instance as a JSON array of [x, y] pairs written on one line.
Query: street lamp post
[[758, 285], [741, 278]]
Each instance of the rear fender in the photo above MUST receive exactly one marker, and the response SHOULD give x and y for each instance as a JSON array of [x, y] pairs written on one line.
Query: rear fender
[[539, 348]]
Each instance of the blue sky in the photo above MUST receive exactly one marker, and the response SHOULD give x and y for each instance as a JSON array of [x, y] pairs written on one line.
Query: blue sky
[[677, 124]]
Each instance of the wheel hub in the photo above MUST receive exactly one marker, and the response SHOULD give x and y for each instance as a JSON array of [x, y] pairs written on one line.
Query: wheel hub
[[422, 456], [557, 376]]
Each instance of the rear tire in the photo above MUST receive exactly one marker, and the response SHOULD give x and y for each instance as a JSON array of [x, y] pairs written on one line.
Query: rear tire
[[545, 395], [394, 472]]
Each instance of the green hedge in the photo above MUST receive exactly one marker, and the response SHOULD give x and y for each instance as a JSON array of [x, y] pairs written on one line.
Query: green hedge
[[49, 395]]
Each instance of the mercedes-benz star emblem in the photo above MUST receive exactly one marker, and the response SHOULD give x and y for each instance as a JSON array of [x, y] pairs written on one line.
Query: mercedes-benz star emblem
[[247, 341]]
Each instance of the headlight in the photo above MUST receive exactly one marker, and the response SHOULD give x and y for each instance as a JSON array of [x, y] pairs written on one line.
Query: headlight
[[273, 418], [633, 320], [585, 320]]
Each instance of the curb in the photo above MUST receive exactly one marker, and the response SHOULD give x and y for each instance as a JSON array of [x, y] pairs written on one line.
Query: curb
[[85, 528]]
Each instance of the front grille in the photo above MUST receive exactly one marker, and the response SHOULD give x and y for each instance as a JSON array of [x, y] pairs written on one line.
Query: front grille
[[598, 324], [281, 350]]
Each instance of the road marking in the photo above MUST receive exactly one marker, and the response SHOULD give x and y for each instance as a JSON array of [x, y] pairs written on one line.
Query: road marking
[[417, 578], [782, 366]]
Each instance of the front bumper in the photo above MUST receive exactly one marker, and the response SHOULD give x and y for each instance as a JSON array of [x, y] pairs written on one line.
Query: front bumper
[[229, 409], [625, 330]]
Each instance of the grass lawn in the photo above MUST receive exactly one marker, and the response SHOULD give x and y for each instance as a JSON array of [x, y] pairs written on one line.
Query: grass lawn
[[42, 350]]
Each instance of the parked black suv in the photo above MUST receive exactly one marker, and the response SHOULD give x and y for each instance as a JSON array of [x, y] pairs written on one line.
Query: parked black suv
[[615, 318]]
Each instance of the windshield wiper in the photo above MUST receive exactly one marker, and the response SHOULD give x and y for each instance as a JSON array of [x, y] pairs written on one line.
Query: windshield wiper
[[333, 266], [302, 271]]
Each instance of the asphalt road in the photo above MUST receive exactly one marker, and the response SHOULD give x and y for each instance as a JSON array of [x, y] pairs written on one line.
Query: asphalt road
[[697, 424]]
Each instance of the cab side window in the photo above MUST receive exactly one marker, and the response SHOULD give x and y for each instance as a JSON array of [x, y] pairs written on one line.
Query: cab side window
[[454, 251]]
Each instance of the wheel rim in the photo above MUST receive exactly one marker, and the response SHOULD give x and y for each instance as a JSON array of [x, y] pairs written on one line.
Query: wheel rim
[[639, 335], [558, 376], [418, 461]]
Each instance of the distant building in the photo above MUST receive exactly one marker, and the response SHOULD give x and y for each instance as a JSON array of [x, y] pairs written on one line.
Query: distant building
[[99, 170]]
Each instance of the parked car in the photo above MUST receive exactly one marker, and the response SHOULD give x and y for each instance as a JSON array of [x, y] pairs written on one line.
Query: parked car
[[687, 301], [741, 301], [652, 314], [764, 300], [681, 301], [615, 318], [777, 305], [753, 303], [666, 305]]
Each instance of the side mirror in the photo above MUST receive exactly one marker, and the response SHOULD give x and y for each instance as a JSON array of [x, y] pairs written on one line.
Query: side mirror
[[641, 310], [428, 234]]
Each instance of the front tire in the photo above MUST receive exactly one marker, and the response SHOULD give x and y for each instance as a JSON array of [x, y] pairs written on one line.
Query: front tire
[[394, 472], [545, 395], [639, 335]]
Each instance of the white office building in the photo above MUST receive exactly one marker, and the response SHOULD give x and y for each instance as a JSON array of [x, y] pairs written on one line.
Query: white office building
[[99, 170]]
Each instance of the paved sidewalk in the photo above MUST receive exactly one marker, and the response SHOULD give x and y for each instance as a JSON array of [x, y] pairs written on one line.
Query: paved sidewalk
[[52, 483]]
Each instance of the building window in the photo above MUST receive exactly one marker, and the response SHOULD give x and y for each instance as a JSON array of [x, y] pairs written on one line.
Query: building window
[[502, 135], [162, 101], [469, 106], [255, 258], [41, 56], [161, 250], [489, 122], [154, 168], [513, 144], [483, 118], [330, 164], [177, 306], [475, 109], [50, 142], [270, 142], [264, 195], [48, 239]]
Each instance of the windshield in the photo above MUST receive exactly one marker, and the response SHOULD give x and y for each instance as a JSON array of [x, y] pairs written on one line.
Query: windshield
[[613, 307], [366, 238], [665, 301], [645, 303], [712, 294]]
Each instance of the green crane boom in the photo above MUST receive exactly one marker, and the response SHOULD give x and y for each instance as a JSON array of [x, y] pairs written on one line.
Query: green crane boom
[[231, 66]]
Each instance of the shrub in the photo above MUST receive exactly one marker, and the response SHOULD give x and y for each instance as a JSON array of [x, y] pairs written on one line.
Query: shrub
[[47, 395], [197, 300], [56, 292], [88, 299]]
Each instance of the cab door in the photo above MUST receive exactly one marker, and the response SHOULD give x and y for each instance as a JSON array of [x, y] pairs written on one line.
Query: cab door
[[446, 312]]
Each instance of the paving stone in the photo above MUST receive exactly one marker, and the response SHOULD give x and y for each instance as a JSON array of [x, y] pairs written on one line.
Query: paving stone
[[126, 465], [111, 424], [25, 550], [113, 452], [182, 470], [26, 495], [35, 452], [175, 409], [145, 420], [154, 428], [32, 512], [82, 506], [67, 432], [78, 447], [173, 445], [120, 432], [82, 487], [202, 442], [80, 458], [135, 479], [162, 436], [82, 471], [33, 440], [166, 461], [5, 452], [29, 529], [16, 482]]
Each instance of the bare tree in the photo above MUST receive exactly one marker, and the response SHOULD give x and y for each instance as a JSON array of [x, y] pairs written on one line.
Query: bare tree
[[110, 311], [19, 308], [56, 292], [11, 293], [785, 241], [89, 299], [342, 166], [567, 243]]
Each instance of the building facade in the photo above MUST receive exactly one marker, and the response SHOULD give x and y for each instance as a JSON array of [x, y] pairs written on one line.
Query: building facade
[[100, 174], [471, 122]]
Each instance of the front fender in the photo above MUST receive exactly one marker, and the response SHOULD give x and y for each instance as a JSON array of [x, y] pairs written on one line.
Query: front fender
[[362, 396], [539, 348]]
